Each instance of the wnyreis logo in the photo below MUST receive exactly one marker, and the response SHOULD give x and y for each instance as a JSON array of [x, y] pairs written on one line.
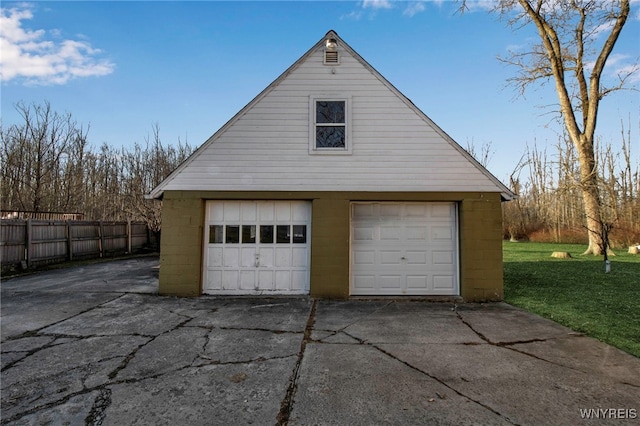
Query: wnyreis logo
[[608, 413]]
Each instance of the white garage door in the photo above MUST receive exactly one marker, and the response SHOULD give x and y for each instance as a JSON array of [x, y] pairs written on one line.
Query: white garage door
[[404, 249], [257, 247]]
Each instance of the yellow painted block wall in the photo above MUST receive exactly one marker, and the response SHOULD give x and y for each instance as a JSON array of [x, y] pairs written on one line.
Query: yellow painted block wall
[[181, 246], [330, 232], [481, 270]]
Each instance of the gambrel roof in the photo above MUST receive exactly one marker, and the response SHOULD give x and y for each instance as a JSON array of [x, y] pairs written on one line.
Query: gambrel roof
[[394, 147]]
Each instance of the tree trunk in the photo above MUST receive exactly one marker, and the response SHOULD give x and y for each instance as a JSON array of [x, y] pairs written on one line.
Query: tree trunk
[[590, 196]]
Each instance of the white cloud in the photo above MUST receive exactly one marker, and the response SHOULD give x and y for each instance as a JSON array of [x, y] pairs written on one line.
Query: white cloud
[[480, 5], [377, 4], [619, 66], [414, 8], [28, 55]]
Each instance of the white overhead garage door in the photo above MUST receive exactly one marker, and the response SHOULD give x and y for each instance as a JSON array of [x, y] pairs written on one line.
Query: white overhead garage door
[[404, 249], [257, 247]]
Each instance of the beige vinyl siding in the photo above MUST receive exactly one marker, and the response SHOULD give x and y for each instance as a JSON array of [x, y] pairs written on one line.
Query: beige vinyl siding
[[393, 147]]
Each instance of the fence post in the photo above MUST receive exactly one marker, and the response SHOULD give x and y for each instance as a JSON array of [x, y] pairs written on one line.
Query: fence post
[[69, 241], [27, 245], [101, 235], [129, 236]]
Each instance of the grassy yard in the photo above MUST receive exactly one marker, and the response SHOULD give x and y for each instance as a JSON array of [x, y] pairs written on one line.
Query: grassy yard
[[577, 292]]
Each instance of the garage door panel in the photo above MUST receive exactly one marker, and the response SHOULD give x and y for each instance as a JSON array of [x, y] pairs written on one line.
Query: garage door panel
[[231, 212], [283, 280], [416, 233], [443, 257], [390, 233], [267, 256], [300, 256], [247, 280], [248, 257], [230, 279], [391, 282], [248, 212], [231, 257], [364, 257], [404, 248], [442, 210], [364, 283], [363, 233], [390, 257], [300, 212], [363, 211], [216, 280], [266, 280], [214, 257], [253, 247], [215, 214], [443, 282], [283, 213], [266, 212], [283, 257], [417, 210], [417, 282], [298, 279], [416, 257], [442, 233], [389, 210]]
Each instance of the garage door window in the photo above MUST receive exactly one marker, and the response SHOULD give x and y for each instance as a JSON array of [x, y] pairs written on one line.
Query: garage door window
[[266, 234], [248, 235], [216, 234], [233, 234], [299, 234]]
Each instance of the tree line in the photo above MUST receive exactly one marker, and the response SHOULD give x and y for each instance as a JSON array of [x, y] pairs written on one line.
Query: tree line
[[48, 165], [550, 206]]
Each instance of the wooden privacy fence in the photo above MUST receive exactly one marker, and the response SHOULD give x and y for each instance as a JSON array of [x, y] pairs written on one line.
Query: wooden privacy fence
[[30, 243]]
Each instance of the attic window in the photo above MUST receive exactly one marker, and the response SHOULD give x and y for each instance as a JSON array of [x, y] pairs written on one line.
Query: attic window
[[330, 125]]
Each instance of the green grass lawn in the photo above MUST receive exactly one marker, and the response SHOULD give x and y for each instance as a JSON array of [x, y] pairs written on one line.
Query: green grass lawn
[[577, 292]]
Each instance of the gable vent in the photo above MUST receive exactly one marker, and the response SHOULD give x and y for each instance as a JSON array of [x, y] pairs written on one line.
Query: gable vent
[[331, 57]]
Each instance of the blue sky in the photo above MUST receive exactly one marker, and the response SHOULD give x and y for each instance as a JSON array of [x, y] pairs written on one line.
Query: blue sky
[[121, 67]]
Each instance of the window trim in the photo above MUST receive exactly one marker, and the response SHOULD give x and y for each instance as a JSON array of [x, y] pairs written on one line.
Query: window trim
[[348, 141]]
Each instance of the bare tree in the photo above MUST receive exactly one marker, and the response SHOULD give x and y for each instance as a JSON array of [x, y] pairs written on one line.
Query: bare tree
[[32, 154], [47, 165], [576, 38]]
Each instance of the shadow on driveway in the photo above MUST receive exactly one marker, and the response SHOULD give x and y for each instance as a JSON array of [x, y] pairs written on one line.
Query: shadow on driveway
[[97, 345]]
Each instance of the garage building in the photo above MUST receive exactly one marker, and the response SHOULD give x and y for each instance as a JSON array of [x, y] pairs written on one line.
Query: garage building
[[332, 183]]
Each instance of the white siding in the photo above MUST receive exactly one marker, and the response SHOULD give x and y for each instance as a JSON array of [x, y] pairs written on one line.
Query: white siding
[[267, 147]]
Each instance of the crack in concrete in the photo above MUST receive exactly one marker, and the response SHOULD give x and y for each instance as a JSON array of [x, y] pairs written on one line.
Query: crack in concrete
[[282, 419], [437, 379], [132, 354], [96, 416], [36, 332], [210, 361], [507, 345], [100, 405], [103, 388], [269, 330]]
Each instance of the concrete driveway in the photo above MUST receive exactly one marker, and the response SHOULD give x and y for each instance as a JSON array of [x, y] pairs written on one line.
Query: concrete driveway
[[95, 345]]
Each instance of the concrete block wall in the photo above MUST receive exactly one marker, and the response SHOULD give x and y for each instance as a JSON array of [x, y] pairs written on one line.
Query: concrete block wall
[[481, 270], [181, 246]]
